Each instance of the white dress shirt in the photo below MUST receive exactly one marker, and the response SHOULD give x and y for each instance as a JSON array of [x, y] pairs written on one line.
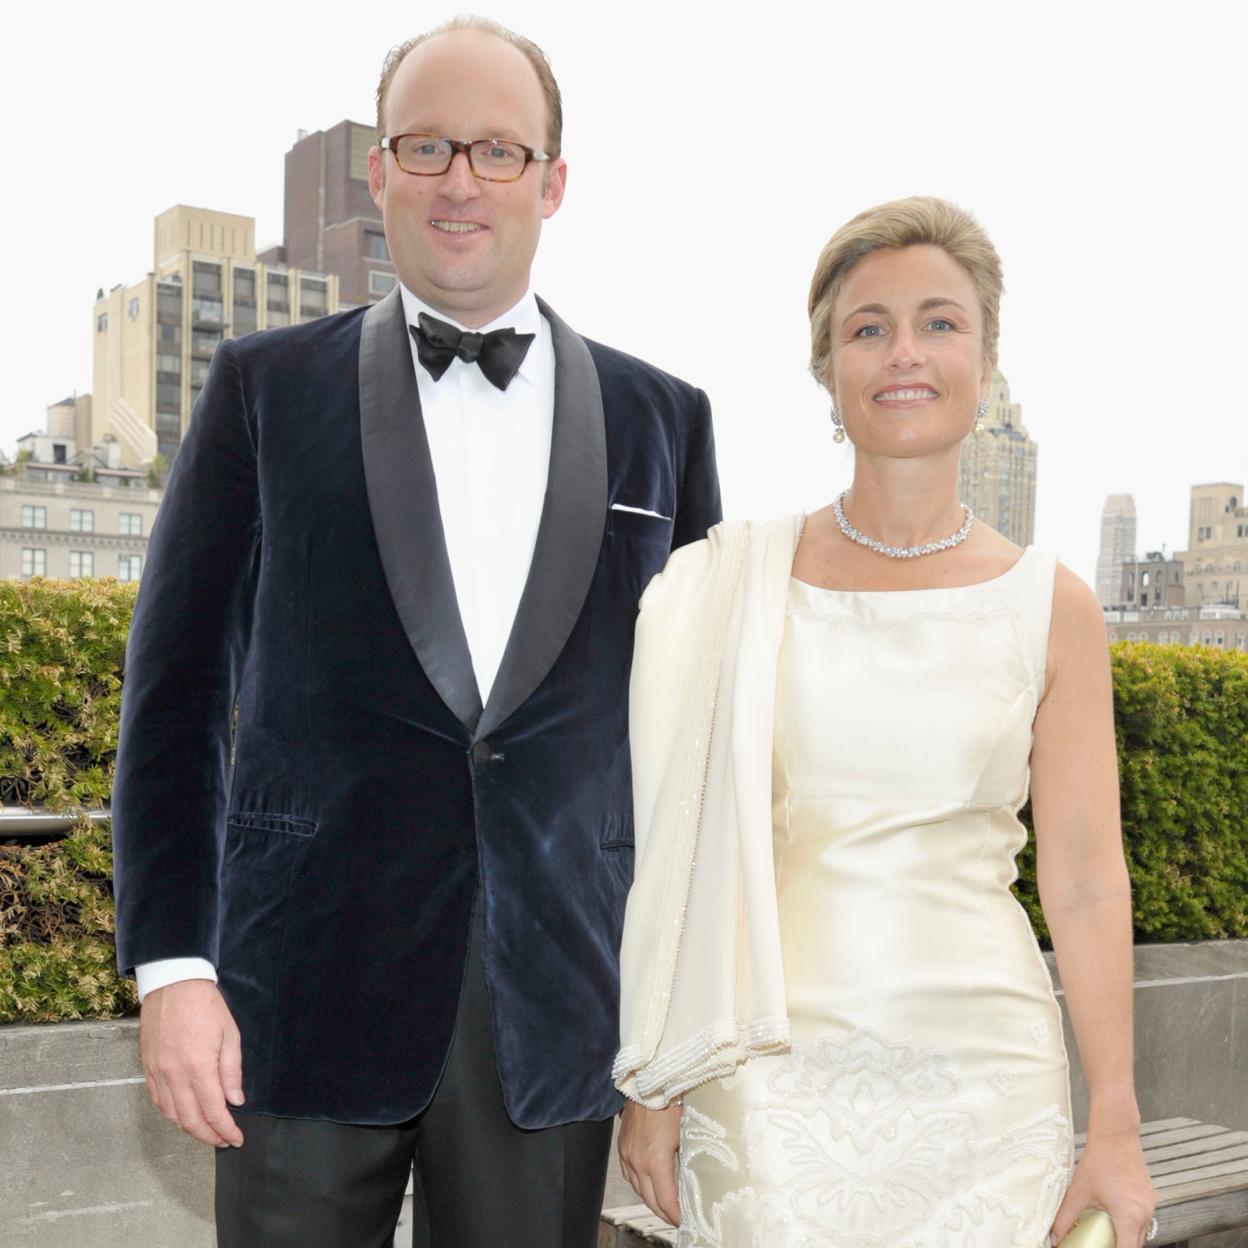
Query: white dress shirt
[[491, 458]]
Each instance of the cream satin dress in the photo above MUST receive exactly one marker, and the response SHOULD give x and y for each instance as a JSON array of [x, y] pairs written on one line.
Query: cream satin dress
[[925, 1100]]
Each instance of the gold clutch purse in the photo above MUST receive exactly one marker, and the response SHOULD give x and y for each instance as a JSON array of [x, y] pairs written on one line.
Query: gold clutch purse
[[1095, 1229]]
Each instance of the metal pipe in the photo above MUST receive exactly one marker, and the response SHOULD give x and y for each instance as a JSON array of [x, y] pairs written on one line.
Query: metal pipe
[[35, 821]]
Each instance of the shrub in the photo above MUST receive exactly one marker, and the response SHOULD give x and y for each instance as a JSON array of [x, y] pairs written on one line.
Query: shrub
[[1181, 723], [61, 659]]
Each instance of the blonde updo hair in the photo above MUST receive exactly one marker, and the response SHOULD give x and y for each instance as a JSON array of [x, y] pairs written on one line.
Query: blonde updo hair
[[919, 220]]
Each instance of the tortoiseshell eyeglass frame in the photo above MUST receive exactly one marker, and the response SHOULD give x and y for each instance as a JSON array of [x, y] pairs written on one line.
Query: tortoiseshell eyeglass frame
[[460, 145]]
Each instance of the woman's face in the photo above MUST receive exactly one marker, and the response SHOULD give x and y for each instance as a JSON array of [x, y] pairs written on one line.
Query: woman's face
[[907, 358]]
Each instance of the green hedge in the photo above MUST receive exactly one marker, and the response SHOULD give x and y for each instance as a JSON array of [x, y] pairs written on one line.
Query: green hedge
[[62, 651], [1181, 722], [1181, 715]]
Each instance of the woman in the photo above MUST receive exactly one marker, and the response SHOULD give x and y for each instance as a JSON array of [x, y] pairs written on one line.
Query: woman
[[835, 720]]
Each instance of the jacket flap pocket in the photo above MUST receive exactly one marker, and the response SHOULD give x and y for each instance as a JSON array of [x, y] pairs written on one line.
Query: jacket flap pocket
[[263, 821]]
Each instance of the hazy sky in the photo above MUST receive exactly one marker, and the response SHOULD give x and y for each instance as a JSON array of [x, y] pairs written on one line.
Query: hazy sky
[[1102, 145]]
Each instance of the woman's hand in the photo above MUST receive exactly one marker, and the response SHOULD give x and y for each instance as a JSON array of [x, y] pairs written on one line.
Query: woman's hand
[[649, 1142], [1111, 1175]]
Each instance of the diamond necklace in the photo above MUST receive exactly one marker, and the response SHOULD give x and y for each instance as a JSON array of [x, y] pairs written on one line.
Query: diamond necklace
[[900, 552]]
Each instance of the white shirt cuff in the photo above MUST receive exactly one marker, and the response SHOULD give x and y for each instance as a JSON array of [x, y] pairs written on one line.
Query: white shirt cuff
[[153, 975]]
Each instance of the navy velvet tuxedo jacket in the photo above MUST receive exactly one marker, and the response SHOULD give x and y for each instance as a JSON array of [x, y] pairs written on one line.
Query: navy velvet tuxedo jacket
[[327, 860]]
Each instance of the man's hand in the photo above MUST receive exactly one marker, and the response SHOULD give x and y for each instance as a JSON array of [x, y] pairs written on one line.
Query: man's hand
[[649, 1142], [193, 1059]]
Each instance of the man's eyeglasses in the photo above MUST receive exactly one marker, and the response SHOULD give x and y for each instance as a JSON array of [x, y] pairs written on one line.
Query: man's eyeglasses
[[491, 160]]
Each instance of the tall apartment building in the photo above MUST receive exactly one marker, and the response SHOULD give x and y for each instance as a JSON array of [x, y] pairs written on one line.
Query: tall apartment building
[[1216, 559], [331, 223], [69, 511], [1117, 548], [155, 339], [997, 469]]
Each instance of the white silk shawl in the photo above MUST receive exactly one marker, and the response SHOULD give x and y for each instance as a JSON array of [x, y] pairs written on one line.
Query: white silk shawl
[[702, 981]]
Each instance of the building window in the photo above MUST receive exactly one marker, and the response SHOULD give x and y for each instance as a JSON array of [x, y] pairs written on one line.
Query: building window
[[131, 524], [81, 521], [132, 309], [34, 517], [380, 283], [81, 563], [169, 304], [205, 341], [101, 323], [375, 245], [205, 279], [129, 567], [313, 298], [34, 561]]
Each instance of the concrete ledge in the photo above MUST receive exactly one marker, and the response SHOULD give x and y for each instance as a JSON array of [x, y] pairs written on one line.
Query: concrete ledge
[[86, 1159], [1191, 1034]]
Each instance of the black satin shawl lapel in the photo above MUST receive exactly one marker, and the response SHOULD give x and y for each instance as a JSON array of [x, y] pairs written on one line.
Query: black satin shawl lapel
[[403, 500], [569, 536]]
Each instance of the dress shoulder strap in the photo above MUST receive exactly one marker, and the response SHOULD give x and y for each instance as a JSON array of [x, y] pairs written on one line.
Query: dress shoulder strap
[[1031, 593]]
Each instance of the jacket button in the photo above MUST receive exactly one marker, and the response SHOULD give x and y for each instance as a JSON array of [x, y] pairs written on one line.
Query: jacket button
[[482, 752]]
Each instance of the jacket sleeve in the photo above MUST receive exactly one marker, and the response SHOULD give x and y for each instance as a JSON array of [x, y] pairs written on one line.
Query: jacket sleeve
[[184, 658], [698, 506]]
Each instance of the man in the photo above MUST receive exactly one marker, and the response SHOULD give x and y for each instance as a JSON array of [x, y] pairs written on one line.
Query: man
[[412, 561]]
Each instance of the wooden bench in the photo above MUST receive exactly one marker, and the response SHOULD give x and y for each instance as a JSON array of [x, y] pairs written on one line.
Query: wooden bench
[[1200, 1172]]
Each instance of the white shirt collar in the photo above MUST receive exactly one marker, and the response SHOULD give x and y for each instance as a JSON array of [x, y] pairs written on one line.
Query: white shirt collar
[[523, 316]]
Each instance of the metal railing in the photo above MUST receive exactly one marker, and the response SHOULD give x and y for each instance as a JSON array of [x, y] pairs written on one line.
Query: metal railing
[[28, 821]]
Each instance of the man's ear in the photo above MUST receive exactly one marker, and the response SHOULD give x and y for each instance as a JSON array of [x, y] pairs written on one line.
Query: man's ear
[[555, 185], [376, 173]]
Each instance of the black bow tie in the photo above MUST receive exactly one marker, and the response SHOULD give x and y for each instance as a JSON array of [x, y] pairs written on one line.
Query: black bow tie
[[498, 353]]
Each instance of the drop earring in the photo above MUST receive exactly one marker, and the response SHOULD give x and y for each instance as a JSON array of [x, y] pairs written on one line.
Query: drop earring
[[980, 412], [838, 433]]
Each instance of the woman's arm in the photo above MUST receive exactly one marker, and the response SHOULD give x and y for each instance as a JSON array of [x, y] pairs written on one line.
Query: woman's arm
[[1086, 896]]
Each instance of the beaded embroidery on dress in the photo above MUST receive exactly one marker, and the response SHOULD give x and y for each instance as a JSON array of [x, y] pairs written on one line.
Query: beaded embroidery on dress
[[924, 1102]]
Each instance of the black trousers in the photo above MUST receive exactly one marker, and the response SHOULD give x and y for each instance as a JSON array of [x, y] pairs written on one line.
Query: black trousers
[[480, 1181]]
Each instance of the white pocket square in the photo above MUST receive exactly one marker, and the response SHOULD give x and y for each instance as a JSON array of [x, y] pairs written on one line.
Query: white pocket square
[[638, 511]]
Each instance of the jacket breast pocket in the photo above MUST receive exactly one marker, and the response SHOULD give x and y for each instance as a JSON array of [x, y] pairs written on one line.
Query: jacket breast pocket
[[640, 526]]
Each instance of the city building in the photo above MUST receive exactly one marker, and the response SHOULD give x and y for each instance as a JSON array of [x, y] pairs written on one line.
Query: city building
[[1216, 559], [1154, 581], [68, 510], [1117, 548], [1220, 626], [155, 339], [997, 469], [331, 223]]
